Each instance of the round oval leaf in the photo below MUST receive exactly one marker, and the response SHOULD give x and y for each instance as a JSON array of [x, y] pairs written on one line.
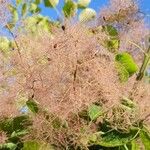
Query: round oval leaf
[[87, 15], [83, 3]]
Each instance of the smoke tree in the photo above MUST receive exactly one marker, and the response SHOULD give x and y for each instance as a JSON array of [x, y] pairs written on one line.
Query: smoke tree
[[80, 82]]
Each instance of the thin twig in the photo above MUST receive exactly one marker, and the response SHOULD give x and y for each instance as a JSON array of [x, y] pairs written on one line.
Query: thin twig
[[138, 47], [18, 48]]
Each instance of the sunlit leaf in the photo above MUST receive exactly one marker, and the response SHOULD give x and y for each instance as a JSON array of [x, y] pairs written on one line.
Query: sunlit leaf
[[145, 137], [51, 3], [4, 45], [69, 9], [110, 30], [127, 61], [14, 124], [14, 13], [37, 1], [24, 9], [36, 145], [8, 146], [114, 138], [87, 15], [17, 134], [122, 72], [127, 102], [37, 23], [94, 111], [34, 8], [134, 145], [83, 3], [32, 105], [113, 45]]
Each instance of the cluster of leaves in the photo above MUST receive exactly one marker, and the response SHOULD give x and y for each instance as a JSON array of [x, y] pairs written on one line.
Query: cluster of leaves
[[23, 10], [125, 63], [105, 137]]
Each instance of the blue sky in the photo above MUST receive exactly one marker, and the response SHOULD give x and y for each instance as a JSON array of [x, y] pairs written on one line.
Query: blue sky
[[97, 5]]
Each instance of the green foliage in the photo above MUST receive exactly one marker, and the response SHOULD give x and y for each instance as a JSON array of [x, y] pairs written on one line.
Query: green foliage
[[8, 146], [134, 145], [37, 23], [122, 72], [127, 61], [87, 14], [114, 138], [5, 45], [36, 145], [15, 128], [113, 45], [32, 105], [129, 103], [69, 9], [51, 3], [105, 138], [16, 124], [83, 3], [125, 66], [24, 9], [94, 111], [34, 8], [145, 137], [110, 30], [14, 18]]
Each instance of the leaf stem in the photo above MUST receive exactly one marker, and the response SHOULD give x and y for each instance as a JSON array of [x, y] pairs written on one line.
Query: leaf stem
[[125, 146]]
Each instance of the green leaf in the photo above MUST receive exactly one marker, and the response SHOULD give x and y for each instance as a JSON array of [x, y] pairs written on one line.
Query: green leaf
[[127, 61], [69, 9], [113, 45], [32, 105], [87, 14], [36, 145], [122, 72], [83, 3], [51, 3], [37, 23], [94, 111], [8, 146], [14, 124], [37, 2], [145, 137], [24, 9], [4, 45], [34, 8], [129, 103], [115, 138], [20, 123], [14, 13], [112, 31], [18, 134], [134, 145]]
